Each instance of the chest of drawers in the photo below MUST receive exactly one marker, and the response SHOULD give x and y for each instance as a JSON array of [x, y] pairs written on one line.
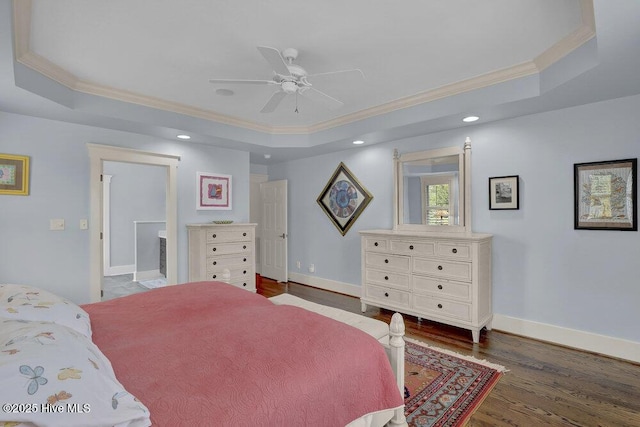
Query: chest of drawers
[[441, 277], [223, 252]]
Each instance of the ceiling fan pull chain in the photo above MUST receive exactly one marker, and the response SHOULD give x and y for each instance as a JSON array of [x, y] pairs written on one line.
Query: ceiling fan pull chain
[[296, 102]]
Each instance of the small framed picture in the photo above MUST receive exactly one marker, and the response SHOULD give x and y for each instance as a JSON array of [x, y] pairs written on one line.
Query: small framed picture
[[605, 195], [214, 191], [14, 175], [504, 192]]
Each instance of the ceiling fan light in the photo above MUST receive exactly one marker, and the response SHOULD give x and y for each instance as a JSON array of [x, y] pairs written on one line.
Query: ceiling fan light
[[289, 87]]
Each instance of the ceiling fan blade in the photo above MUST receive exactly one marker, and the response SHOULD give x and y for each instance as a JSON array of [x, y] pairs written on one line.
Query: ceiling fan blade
[[353, 70], [275, 59], [273, 102], [321, 97], [233, 81]]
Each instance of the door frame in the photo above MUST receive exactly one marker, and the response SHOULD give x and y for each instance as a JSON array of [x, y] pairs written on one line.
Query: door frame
[[99, 153]]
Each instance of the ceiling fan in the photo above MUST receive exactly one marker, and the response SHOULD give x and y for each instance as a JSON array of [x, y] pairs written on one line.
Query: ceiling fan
[[290, 78]]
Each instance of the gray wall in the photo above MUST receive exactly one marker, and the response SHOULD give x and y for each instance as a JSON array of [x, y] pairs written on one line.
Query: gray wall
[[543, 269], [59, 260]]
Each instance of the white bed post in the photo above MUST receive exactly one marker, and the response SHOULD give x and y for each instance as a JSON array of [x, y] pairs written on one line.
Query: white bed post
[[396, 356]]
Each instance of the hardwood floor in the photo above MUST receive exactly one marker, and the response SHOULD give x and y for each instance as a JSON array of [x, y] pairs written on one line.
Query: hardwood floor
[[547, 385]]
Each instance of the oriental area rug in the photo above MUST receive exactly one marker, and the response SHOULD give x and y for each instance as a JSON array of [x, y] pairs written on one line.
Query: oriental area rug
[[443, 388]]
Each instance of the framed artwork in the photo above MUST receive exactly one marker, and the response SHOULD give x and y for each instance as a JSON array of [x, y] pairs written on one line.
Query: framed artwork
[[14, 175], [504, 192], [343, 199], [605, 195], [214, 191]]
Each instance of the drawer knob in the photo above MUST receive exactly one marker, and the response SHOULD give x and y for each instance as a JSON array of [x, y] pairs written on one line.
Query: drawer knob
[[386, 294], [244, 234], [386, 277], [244, 284], [439, 267], [244, 246], [386, 261], [215, 262], [411, 247], [244, 260], [214, 249], [244, 272], [439, 305], [214, 236], [375, 244], [454, 250], [214, 276], [440, 287]]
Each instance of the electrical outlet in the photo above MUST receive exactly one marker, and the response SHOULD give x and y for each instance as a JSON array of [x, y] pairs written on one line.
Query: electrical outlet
[[298, 264], [312, 268], [56, 224], [84, 224]]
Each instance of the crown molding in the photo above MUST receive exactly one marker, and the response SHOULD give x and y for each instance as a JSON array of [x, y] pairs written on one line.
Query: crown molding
[[22, 27]]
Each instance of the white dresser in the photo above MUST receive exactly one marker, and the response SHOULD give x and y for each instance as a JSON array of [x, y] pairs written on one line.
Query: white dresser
[[223, 252], [442, 277]]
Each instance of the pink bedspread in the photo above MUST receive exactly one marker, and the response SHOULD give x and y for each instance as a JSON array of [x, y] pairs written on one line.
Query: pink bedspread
[[207, 353]]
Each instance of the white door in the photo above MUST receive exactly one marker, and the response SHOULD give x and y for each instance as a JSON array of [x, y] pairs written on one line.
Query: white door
[[273, 250]]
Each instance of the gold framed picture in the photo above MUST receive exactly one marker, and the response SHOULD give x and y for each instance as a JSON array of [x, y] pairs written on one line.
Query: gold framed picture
[[14, 175]]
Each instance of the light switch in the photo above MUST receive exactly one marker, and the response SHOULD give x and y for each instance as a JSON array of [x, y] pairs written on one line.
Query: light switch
[[84, 224], [56, 224]]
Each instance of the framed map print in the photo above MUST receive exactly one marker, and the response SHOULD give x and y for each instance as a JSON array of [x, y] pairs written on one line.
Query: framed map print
[[343, 199], [14, 175], [214, 191], [605, 195]]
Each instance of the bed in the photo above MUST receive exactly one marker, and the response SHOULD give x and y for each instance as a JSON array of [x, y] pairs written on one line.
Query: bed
[[203, 353]]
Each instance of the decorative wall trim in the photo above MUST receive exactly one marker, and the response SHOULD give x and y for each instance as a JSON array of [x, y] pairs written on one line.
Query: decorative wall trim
[[22, 29], [602, 344], [326, 284]]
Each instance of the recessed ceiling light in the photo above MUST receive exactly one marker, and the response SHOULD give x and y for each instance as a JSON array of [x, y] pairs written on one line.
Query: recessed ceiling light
[[470, 119], [183, 136], [267, 156], [224, 92], [358, 142]]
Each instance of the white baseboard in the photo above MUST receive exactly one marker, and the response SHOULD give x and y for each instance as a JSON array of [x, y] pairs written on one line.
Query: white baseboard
[[610, 346], [602, 344], [327, 284], [146, 275], [118, 270]]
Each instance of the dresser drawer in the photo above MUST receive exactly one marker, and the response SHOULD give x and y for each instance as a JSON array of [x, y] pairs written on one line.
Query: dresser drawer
[[236, 273], [248, 284], [413, 247], [387, 278], [228, 248], [454, 250], [442, 307], [371, 244], [437, 267], [387, 295], [220, 263], [441, 288], [388, 262], [216, 236]]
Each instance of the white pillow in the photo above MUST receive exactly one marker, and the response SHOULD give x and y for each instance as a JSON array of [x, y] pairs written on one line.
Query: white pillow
[[23, 302], [53, 376]]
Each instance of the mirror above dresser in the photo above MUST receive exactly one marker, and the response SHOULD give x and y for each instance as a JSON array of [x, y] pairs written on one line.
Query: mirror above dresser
[[431, 190]]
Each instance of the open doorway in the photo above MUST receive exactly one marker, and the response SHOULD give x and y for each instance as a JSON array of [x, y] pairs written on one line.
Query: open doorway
[[134, 228], [99, 154]]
